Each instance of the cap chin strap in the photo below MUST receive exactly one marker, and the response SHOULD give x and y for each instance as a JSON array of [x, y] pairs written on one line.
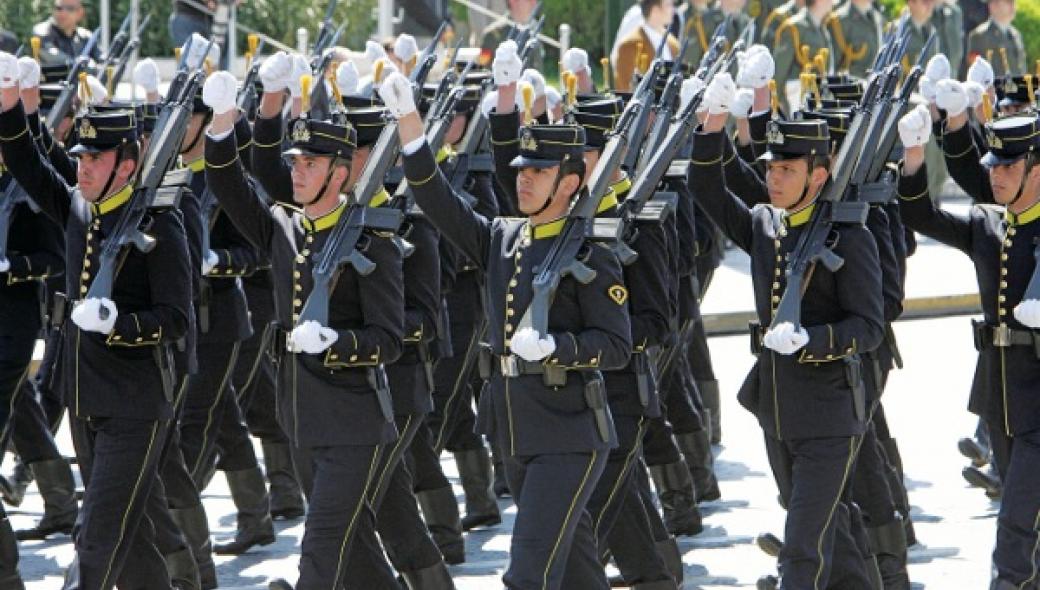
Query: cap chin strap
[[1030, 162], [324, 185], [112, 174], [552, 193], [808, 178]]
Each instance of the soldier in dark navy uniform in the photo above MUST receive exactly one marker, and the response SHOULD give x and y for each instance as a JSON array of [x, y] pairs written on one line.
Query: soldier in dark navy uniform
[[806, 388], [1001, 241], [543, 388], [332, 382], [117, 348]]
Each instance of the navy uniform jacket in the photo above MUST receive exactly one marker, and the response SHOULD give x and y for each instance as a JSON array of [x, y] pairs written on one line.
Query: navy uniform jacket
[[114, 375], [590, 328], [963, 151], [806, 394], [324, 399], [1004, 389]]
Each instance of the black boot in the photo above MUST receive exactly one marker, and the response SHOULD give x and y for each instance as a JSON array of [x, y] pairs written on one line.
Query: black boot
[[888, 544], [769, 543], [767, 583], [678, 500], [970, 448], [435, 577], [710, 396], [13, 488], [989, 483], [476, 474], [10, 579], [279, 584], [195, 526], [286, 497], [255, 526], [441, 513], [696, 449], [669, 552], [184, 572], [58, 489]]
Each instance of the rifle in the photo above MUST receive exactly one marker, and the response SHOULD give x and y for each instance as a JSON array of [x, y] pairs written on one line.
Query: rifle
[[13, 196], [115, 48], [155, 163], [129, 50], [63, 104], [321, 41], [247, 95], [664, 107], [644, 93]]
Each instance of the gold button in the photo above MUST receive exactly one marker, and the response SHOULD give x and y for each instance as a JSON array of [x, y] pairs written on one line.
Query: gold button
[[508, 341], [117, 337], [155, 335], [138, 339], [300, 259], [776, 299], [310, 238], [353, 358], [296, 274], [779, 258], [83, 290], [509, 297], [298, 287], [333, 356], [1011, 231], [778, 272], [776, 243], [297, 303], [86, 264], [594, 361], [1001, 299], [509, 328], [85, 276], [509, 313], [513, 283], [305, 252], [1003, 272], [90, 250], [1004, 256], [1003, 284], [375, 357], [1001, 311], [1007, 242], [90, 235], [776, 285], [295, 317]]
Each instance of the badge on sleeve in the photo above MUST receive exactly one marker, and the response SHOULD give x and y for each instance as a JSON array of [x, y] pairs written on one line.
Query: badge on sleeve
[[618, 293]]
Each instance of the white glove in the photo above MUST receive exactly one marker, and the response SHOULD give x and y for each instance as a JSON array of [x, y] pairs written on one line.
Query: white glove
[[915, 127], [757, 70], [489, 102], [98, 92], [975, 92], [720, 94], [981, 72], [951, 97], [8, 70], [530, 346], [553, 98], [87, 315], [507, 65], [5, 265], [347, 78], [275, 71], [576, 60], [300, 67], [311, 338], [784, 339], [536, 80], [1028, 313], [405, 48], [28, 73], [388, 68], [742, 103], [396, 92], [374, 51], [197, 55], [690, 87], [927, 87], [938, 68], [220, 92], [211, 259], [146, 75], [742, 56]]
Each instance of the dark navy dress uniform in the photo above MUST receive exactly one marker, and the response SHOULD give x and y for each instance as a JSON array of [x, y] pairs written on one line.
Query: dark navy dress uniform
[[805, 402], [1002, 245], [326, 402], [118, 438], [553, 451]]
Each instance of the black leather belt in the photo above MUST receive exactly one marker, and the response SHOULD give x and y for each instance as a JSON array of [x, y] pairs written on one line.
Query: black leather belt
[[1003, 336]]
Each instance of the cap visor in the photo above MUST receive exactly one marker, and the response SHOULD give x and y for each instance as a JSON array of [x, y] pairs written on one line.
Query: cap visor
[[991, 159], [525, 162], [81, 148]]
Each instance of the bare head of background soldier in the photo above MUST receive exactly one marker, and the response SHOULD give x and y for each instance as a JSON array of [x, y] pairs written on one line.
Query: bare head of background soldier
[[920, 10], [657, 13]]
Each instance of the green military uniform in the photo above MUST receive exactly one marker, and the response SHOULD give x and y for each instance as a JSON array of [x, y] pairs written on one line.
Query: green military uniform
[[762, 11], [795, 32], [857, 37], [948, 21], [494, 35], [700, 25], [989, 38], [918, 37]]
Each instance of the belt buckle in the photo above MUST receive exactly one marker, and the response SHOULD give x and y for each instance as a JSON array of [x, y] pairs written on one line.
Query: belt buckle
[[1002, 336], [509, 366]]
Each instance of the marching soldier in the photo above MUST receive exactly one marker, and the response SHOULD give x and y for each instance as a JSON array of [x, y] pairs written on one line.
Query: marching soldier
[[701, 20], [1001, 240], [798, 40], [856, 28], [921, 26], [999, 41], [117, 347], [639, 46]]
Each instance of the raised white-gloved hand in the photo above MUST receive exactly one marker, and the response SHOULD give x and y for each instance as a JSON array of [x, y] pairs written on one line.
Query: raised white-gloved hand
[[975, 92], [275, 71], [347, 78], [312, 338], [209, 262], [300, 67], [690, 87], [507, 66], [146, 75], [529, 345], [197, 54], [405, 48], [576, 60], [98, 92], [28, 73], [720, 94], [915, 127], [87, 315], [951, 97], [757, 69], [785, 339], [536, 80], [553, 98], [8, 70], [374, 51], [220, 92], [742, 56], [1028, 313], [5, 265], [742, 103], [981, 72], [938, 68], [396, 92]]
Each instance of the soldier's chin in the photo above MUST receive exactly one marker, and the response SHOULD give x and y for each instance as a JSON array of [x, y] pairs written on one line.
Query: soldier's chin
[[780, 202]]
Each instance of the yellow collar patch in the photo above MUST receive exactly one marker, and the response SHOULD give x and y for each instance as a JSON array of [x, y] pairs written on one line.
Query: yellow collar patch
[[325, 221], [1029, 215], [545, 230], [444, 153], [622, 187], [112, 202], [797, 218], [197, 165], [379, 198]]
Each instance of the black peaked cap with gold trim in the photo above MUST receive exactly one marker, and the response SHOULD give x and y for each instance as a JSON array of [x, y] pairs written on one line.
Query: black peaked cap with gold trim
[[310, 137], [796, 139], [598, 117], [368, 122], [545, 146], [837, 120], [1011, 139], [101, 131], [1014, 90]]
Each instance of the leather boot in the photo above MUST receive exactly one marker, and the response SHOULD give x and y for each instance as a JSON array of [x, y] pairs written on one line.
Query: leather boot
[[769, 543], [435, 577], [255, 526], [58, 489], [989, 482], [10, 579], [888, 544], [971, 449], [696, 449], [669, 552], [1001, 584], [184, 572], [476, 474], [195, 526], [286, 497], [767, 583], [279, 584], [441, 513], [13, 488], [710, 396], [678, 500]]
